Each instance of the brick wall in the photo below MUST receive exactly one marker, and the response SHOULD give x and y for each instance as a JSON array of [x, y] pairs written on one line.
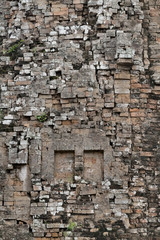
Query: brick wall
[[79, 119]]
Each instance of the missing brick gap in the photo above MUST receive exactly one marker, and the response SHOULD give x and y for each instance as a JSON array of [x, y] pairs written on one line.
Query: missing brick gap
[[58, 73], [20, 222]]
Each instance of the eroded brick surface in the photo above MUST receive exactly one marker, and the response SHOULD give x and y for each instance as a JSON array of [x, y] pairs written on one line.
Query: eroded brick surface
[[64, 166], [93, 166]]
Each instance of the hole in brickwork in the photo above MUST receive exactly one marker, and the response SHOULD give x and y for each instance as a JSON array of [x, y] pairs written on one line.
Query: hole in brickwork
[[93, 166], [21, 222], [59, 73], [64, 168]]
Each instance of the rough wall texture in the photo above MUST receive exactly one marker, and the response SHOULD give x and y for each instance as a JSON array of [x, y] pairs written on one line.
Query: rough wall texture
[[79, 119]]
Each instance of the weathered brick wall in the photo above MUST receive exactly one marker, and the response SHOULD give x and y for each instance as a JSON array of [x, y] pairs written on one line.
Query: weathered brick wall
[[88, 166]]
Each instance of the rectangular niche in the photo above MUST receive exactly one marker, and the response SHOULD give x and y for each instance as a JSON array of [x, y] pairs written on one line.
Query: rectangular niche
[[93, 166], [64, 161]]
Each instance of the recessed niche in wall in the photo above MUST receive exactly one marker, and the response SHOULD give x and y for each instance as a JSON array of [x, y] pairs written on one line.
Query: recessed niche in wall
[[64, 165], [93, 166]]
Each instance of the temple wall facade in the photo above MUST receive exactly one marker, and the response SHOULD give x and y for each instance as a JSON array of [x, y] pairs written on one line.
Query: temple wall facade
[[79, 119]]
